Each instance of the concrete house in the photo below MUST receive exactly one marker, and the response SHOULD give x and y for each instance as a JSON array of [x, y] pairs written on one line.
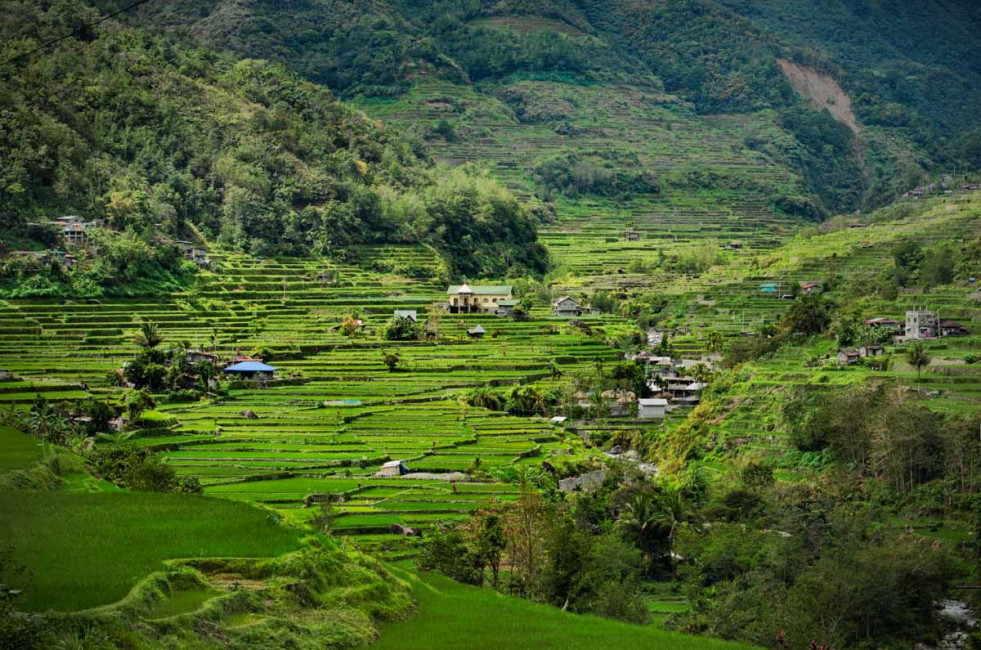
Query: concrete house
[[477, 299], [73, 229], [661, 366], [251, 369], [652, 408], [566, 306], [920, 324], [684, 390]]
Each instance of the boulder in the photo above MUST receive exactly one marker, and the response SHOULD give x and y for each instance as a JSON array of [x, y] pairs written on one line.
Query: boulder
[[406, 531]]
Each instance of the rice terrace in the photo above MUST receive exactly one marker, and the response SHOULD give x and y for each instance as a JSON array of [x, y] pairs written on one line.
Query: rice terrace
[[513, 324]]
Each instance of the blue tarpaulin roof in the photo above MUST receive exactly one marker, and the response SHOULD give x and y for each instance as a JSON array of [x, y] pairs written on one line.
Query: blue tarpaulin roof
[[250, 366]]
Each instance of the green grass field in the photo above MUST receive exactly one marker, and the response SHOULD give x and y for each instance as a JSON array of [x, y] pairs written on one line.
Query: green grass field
[[17, 450], [85, 550], [452, 615]]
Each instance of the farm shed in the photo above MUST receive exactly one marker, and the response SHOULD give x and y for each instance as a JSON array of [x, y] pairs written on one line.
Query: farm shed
[[652, 407], [506, 307], [476, 332], [393, 468], [848, 357], [411, 314], [251, 369]]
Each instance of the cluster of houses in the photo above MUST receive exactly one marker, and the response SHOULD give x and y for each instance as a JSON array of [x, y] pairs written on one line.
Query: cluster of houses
[[670, 382], [239, 368], [920, 324], [64, 259], [75, 231], [851, 356], [946, 182], [499, 300], [924, 324]]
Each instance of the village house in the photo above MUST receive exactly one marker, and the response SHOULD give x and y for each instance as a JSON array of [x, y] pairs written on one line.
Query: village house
[[884, 323], [871, 351], [477, 299], [631, 235], [197, 255], [566, 306], [684, 390], [506, 307], [951, 328], [809, 287], [661, 366], [652, 408], [251, 369], [199, 356], [393, 468], [72, 228], [848, 357], [410, 314], [476, 332], [920, 324]]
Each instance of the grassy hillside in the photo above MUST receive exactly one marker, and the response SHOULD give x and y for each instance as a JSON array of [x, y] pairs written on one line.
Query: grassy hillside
[[456, 616], [84, 550]]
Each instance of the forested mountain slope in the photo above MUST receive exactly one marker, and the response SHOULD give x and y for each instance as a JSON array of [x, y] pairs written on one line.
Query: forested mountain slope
[[914, 95], [153, 134]]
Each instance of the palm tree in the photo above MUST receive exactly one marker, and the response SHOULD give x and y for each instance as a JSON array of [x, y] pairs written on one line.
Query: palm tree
[[714, 342], [917, 357], [148, 337], [642, 521]]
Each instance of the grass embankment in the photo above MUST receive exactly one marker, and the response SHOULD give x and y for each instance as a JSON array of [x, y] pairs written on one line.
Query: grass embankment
[[453, 615], [84, 550], [18, 450]]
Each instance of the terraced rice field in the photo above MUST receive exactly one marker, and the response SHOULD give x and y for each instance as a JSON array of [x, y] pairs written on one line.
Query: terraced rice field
[[327, 429], [634, 127]]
